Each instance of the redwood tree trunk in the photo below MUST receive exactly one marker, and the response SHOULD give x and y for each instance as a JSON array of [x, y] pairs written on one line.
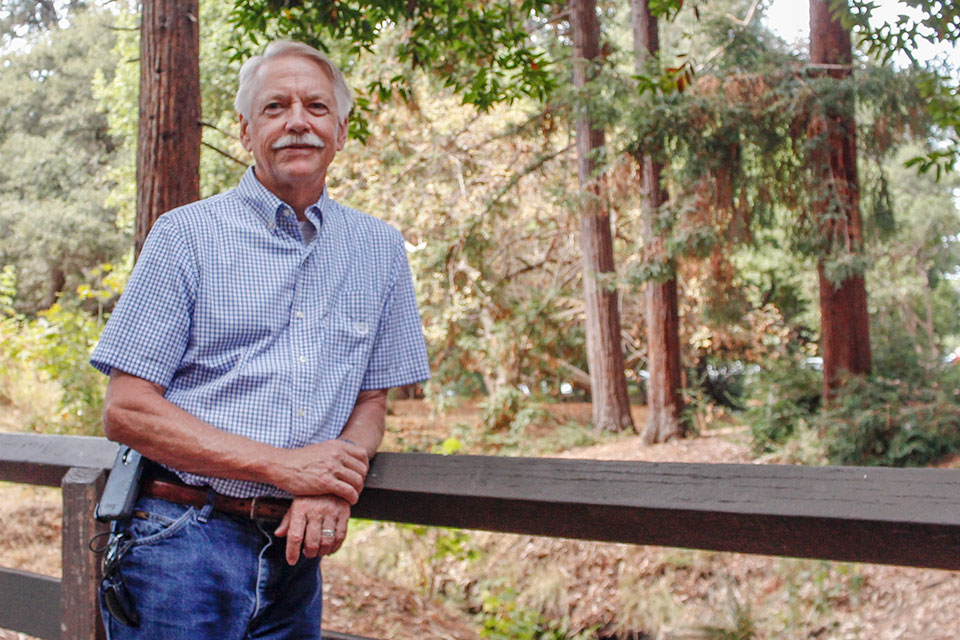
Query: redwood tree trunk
[[611, 405], [664, 398], [845, 326], [168, 151]]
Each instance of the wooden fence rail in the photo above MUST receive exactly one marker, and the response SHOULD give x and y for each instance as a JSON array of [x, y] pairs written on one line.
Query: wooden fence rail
[[860, 514]]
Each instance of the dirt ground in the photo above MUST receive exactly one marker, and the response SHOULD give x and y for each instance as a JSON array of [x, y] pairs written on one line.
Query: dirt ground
[[855, 601]]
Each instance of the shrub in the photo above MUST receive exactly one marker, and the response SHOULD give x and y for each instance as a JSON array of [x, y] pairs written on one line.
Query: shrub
[[872, 420], [501, 617], [782, 400], [879, 421], [55, 346], [501, 408]]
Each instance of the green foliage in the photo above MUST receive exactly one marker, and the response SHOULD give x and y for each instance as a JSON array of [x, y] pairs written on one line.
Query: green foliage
[[938, 21], [815, 591], [480, 50], [21, 19], [667, 8], [741, 157], [502, 618], [483, 202], [915, 303], [507, 418], [54, 223], [501, 409], [454, 544], [418, 557], [58, 343], [932, 22], [782, 401], [869, 421], [449, 446], [62, 339], [8, 291], [879, 421]]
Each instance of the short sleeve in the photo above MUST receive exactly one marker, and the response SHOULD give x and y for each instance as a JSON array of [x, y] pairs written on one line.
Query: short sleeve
[[149, 330], [399, 354]]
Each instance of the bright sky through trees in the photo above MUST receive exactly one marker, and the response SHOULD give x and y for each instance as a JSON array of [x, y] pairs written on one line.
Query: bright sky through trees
[[790, 19]]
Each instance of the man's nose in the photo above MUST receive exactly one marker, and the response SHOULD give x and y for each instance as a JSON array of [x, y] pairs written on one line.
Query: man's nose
[[297, 118]]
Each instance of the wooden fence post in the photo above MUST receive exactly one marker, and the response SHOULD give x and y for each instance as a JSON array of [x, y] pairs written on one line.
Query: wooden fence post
[[79, 604]]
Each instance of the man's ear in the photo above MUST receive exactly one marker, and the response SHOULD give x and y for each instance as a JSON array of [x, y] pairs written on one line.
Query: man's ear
[[343, 129], [244, 132]]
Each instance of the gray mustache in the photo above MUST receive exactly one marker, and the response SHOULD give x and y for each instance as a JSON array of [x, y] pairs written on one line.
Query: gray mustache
[[302, 139]]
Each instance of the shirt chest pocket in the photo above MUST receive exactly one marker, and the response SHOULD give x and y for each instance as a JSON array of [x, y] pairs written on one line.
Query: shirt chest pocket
[[351, 327]]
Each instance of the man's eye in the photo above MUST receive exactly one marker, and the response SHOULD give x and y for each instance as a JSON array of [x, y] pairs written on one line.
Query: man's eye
[[271, 106], [318, 106]]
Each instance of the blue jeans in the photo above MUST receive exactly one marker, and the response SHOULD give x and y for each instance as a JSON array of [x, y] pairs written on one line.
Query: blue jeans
[[197, 574]]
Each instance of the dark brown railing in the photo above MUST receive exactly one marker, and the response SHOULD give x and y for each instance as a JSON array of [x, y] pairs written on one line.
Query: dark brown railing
[[905, 517]]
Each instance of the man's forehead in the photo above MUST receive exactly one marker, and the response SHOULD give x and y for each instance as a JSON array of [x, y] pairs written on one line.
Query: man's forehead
[[274, 93], [288, 66]]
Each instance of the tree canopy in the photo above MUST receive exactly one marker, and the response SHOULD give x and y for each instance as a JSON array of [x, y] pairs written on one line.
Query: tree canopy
[[486, 196]]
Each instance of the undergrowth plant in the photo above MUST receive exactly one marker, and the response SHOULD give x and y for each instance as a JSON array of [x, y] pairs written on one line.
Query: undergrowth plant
[[879, 421], [870, 420], [813, 596], [782, 401], [501, 617], [54, 347], [741, 626]]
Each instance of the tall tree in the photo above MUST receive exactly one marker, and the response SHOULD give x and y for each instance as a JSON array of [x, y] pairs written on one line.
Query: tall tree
[[664, 400], [168, 155], [611, 405], [845, 329]]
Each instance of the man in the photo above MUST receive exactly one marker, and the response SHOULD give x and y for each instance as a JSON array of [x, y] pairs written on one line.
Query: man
[[250, 358]]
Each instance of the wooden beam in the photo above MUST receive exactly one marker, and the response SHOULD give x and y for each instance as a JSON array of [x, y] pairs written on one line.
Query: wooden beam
[[43, 460], [879, 515], [860, 514], [30, 603]]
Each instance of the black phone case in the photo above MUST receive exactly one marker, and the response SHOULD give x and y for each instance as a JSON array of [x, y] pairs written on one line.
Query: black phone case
[[122, 486]]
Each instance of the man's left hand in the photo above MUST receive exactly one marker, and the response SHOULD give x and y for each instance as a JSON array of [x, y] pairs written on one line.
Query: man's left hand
[[309, 523]]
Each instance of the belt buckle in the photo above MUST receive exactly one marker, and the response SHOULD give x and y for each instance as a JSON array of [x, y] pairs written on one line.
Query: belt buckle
[[253, 508]]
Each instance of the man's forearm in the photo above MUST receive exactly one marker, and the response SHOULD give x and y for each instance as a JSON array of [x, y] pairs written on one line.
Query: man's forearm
[[137, 414], [367, 423]]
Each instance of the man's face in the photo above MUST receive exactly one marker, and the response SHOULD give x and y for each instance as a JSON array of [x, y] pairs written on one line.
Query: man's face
[[293, 131]]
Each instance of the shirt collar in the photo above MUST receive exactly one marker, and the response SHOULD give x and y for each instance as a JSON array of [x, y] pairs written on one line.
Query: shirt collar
[[268, 206]]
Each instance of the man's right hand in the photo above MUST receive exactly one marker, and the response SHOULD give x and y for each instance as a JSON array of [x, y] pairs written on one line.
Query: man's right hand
[[333, 467]]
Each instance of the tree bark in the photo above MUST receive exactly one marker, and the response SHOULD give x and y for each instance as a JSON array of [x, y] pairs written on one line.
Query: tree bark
[[664, 398], [845, 325], [611, 405], [168, 152], [55, 285]]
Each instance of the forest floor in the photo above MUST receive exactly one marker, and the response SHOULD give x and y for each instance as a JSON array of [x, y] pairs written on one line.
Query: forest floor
[[398, 582]]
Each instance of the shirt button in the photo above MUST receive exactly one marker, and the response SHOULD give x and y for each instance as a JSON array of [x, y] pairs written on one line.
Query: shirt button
[[361, 328], [272, 225], [302, 359], [301, 413], [299, 314]]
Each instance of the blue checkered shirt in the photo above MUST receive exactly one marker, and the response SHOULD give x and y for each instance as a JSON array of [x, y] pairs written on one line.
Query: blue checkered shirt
[[260, 334]]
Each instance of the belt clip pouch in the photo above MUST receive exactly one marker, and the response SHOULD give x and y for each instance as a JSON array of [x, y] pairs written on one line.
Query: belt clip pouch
[[122, 486]]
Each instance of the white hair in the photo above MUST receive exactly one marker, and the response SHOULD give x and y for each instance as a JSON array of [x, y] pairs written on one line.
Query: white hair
[[249, 84]]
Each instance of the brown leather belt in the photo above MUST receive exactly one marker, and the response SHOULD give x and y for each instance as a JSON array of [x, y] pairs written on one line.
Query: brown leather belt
[[253, 508]]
